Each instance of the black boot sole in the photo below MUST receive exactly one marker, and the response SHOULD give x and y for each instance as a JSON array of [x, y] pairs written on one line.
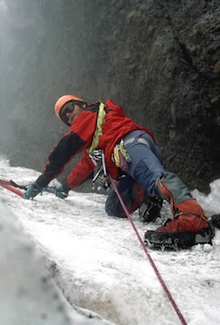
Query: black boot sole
[[178, 240]]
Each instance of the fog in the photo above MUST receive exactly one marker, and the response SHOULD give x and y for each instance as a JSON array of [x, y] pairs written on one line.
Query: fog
[[42, 58], [30, 67], [3, 11]]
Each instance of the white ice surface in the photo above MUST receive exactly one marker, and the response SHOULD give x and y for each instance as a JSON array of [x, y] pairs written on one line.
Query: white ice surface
[[100, 265]]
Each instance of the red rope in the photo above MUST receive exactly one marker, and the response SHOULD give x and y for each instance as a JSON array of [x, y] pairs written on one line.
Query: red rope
[[12, 189], [150, 258]]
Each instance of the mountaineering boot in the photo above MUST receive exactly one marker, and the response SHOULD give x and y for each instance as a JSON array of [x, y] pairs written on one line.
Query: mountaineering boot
[[189, 216], [150, 208], [216, 220], [183, 239], [189, 226]]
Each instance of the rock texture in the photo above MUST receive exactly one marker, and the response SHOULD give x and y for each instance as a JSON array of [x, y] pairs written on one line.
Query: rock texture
[[159, 59]]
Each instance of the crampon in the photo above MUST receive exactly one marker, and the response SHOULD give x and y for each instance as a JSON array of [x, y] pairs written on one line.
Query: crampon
[[186, 239]]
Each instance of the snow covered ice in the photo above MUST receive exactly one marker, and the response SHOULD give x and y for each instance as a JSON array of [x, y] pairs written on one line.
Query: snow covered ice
[[99, 264]]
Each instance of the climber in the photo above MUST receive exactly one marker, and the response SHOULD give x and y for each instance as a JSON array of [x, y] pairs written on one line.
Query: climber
[[113, 144]]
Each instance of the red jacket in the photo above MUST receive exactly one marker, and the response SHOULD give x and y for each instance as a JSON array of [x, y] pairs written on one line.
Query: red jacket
[[79, 138]]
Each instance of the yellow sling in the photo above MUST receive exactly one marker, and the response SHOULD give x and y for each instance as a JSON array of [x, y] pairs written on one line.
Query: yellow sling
[[98, 131]]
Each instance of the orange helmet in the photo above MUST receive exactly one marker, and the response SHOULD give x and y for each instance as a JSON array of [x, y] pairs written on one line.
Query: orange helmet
[[63, 100]]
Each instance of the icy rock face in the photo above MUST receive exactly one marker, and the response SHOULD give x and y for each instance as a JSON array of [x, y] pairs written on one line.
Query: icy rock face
[[28, 295]]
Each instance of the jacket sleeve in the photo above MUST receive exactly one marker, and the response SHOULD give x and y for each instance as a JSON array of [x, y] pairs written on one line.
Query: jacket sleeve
[[81, 172], [69, 145]]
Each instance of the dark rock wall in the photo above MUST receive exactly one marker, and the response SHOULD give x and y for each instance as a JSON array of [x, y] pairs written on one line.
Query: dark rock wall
[[158, 59], [168, 83]]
